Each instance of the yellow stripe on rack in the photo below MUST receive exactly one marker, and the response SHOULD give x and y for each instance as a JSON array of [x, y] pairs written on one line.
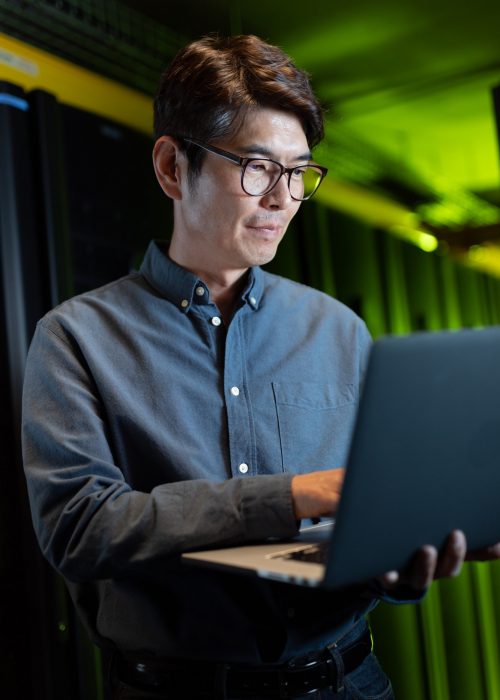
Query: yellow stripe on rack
[[32, 68]]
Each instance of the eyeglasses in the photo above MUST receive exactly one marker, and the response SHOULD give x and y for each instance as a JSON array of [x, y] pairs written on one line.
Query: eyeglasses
[[260, 175]]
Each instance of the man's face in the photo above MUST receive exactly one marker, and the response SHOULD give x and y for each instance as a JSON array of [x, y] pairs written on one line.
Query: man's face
[[223, 228]]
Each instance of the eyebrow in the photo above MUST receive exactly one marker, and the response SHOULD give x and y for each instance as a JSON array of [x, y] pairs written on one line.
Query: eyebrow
[[255, 148]]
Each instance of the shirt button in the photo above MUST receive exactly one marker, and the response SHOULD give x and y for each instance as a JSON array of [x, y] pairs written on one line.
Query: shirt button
[[216, 321], [235, 391], [200, 291], [243, 468], [253, 301], [184, 303]]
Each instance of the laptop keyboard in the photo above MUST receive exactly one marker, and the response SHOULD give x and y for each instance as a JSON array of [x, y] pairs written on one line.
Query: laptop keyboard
[[315, 553]]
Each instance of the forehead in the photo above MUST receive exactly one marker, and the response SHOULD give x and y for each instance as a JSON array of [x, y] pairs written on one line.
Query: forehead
[[272, 129]]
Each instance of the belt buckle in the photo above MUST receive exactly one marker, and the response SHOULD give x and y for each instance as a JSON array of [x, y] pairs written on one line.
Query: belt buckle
[[307, 678]]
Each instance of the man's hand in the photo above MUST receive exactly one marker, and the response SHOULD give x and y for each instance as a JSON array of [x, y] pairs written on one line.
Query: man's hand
[[428, 564], [317, 493]]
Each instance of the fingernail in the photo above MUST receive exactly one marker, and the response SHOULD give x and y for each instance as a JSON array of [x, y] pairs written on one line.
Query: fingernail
[[458, 539], [392, 576]]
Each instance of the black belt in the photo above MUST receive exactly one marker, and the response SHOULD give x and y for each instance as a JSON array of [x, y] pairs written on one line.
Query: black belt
[[192, 679]]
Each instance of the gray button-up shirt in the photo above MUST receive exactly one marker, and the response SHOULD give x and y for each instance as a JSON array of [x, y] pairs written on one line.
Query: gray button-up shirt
[[150, 428]]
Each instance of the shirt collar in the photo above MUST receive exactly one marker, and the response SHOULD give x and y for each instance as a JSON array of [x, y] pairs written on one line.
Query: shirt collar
[[254, 290], [183, 288]]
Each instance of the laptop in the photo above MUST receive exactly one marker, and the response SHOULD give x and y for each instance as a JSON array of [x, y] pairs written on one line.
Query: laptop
[[424, 459]]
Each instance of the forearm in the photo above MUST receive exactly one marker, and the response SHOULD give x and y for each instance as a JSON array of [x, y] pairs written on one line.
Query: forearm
[[110, 530]]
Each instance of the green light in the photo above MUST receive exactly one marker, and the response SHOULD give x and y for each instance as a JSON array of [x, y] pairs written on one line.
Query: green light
[[423, 240], [477, 253], [457, 209], [427, 242]]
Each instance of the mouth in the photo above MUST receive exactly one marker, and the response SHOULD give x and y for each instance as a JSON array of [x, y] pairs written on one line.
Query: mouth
[[266, 229]]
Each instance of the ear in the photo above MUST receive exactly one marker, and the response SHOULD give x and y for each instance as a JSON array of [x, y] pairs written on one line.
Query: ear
[[169, 164]]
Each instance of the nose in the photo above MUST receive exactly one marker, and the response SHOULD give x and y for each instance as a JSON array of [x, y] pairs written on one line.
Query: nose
[[279, 197]]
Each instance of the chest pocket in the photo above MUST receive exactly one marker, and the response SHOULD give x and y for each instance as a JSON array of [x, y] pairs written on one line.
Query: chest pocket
[[315, 424]]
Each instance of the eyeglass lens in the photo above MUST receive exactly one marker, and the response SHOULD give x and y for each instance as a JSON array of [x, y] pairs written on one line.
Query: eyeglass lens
[[260, 176]]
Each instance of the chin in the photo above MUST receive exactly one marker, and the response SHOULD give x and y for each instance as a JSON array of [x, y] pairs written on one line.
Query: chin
[[261, 255], [261, 258]]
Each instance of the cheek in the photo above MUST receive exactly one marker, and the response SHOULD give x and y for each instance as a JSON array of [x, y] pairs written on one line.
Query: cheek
[[293, 210], [235, 207], [220, 198]]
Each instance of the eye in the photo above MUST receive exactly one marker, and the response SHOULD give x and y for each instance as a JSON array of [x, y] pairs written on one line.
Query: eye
[[257, 166], [299, 172]]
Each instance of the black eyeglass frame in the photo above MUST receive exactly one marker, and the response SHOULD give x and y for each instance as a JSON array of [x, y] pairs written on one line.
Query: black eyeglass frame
[[243, 163]]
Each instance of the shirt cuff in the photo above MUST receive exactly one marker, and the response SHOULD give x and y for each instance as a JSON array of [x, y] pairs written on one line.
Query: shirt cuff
[[267, 507], [396, 596]]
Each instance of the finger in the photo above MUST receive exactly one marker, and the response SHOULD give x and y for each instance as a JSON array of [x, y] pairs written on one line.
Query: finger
[[421, 572], [452, 555], [484, 554], [418, 575], [389, 580]]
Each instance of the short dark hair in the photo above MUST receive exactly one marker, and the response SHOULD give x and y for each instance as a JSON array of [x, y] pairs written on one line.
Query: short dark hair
[[212, 83]]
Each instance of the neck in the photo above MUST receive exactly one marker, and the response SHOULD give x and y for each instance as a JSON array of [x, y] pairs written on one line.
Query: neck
[[226, 297], [225, 285]]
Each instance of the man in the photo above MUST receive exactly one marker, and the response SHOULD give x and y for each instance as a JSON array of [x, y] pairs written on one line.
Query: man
[[203, 402]]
